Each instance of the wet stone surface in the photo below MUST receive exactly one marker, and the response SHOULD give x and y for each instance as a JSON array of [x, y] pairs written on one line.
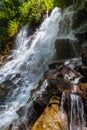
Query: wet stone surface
[[6, 88]]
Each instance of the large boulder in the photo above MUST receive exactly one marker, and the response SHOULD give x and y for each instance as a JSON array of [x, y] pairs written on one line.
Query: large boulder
[[64, 49], [57, 86], [54, 65], [52, 118], [62, 80]]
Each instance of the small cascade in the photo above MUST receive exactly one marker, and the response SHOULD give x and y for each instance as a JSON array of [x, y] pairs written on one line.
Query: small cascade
[[73, 105], [77, 120], [63, 99], [66, 24]]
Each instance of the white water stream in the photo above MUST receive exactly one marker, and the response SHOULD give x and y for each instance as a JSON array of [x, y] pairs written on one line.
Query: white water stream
[[30, 59], [77, 120], [75, 108]]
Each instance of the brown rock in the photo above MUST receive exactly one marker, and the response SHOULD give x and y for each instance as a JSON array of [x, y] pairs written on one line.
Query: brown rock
[[71, 73], [64, 49], [58, 85], [52, 118]]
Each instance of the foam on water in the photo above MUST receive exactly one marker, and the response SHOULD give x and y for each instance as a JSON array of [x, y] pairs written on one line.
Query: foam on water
[[29, 60]]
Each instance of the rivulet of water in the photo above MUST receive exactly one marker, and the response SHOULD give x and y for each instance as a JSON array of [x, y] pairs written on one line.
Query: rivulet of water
[[75, 111], [30, 59], [77, 119]]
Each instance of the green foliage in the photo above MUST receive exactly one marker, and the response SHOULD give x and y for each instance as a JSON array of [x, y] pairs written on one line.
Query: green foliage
[[13, 12], [16, 13], [32, 10], [9, 10], [50, 4], [13, 28]]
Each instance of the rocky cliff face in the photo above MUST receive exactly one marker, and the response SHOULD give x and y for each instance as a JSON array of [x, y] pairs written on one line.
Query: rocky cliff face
[[72, 38]]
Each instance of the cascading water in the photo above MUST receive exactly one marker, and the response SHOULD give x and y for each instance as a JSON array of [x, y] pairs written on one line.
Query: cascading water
[[29, 60], [66, 24], [77, 120], [67, 33], [75, 111]]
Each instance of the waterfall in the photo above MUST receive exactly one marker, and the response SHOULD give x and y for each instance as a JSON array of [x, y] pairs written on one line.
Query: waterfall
[[75, 111], [66, 24], [30, 59]]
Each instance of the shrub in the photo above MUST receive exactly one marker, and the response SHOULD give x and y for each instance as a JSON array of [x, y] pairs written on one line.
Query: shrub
[[32, 11], [13, 28]]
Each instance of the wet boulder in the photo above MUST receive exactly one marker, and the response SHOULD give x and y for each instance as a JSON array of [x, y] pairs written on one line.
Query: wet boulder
[[39, 106], [68, 73], [57, 86], [8, 84], [82, 70], [62, 80], [38, 103], [64, 49], [54, 65], [21, 111], [41, 101], [49, 72], [21, 124], [6, 88]]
